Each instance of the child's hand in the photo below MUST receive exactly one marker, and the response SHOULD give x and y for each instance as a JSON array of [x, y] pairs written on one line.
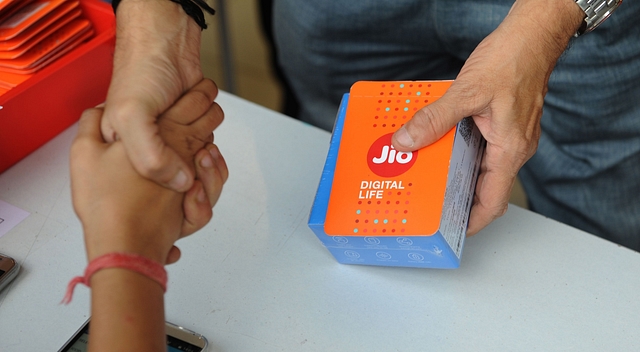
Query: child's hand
[[187, 128], [188, 125]]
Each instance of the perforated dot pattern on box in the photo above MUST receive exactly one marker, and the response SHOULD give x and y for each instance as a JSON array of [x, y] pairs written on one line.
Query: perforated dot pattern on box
[[380, 191]]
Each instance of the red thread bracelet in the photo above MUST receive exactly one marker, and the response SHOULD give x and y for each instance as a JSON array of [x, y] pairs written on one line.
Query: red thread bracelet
[[133, 262]]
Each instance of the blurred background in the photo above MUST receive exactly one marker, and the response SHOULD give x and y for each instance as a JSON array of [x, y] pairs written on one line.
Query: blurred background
[[237, 55]]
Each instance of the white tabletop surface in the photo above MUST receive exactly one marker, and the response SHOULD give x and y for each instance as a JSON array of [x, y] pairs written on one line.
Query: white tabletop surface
[[257, 279]]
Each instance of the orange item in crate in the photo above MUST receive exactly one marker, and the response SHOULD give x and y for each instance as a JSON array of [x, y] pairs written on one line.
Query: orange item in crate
[[11, 80], [20, 44], [52, 99], [10, 7], [53, 43], [26, 17]]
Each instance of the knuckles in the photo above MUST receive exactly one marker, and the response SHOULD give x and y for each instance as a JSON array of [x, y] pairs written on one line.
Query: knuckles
[[152, 165]]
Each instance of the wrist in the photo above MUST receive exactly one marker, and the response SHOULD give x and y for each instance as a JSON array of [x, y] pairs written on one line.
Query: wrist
[[128, 235], [121, 266], [98, 244], [120, 270], [124, 306], [194, 8], [161, 35], [557, 19], [148, 12], [544, 27], [159, 18]]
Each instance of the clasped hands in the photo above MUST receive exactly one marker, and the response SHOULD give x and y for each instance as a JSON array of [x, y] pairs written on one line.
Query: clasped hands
[[122, 211]]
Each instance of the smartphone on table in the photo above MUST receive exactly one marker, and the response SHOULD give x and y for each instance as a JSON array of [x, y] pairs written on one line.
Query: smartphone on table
[[179, 339], [8, 270]]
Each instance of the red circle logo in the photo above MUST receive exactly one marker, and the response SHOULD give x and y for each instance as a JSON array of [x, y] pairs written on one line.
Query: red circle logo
[[385, 161]]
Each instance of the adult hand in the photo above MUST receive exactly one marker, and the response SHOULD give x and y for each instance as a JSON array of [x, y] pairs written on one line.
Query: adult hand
[[502, 86], [157, 58]]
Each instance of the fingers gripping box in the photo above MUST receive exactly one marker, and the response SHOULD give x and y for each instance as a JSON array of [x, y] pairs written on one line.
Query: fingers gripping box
[[378, 206]]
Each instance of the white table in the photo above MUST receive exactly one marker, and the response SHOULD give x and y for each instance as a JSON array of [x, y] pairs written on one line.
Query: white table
[[257, 279]]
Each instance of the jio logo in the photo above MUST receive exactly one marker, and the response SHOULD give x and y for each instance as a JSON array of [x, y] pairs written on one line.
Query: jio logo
[[385, 161]]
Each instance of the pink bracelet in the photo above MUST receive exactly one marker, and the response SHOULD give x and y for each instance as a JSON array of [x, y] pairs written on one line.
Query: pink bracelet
[[133, 262]]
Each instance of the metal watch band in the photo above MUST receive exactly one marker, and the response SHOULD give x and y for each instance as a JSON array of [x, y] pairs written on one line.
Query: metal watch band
[[596, 11]]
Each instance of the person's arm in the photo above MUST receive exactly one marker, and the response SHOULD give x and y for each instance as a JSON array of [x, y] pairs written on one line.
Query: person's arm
[[127, 312], [122, 212], [157, 58], [502, 86]]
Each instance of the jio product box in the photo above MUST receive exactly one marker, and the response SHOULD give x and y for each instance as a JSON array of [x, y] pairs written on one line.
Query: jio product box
[[376, 205], [52, 99]]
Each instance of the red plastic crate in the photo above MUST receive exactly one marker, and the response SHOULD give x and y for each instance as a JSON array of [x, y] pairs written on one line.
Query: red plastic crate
[[53, 99]]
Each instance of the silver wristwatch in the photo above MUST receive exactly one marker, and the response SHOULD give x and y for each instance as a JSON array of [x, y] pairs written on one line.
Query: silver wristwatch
[[596, 11]]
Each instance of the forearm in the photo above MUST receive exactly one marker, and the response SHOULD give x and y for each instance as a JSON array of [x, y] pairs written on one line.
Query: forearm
[[127, 312], [162, 19], [156, 60], [160, 33]]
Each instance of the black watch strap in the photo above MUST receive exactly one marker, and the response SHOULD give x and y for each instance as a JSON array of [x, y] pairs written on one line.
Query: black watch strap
[[193, 8]]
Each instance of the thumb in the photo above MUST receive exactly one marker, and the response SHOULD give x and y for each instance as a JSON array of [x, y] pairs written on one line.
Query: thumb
[[430, 123], [173, 256], [89, 125]]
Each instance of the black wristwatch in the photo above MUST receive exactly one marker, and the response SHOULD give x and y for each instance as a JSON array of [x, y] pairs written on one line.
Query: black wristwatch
[[193, 8], [596, 11]]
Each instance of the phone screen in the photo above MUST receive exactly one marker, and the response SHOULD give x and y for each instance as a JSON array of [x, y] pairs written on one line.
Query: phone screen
[[80, 341], [8, 270], [176, 345]]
